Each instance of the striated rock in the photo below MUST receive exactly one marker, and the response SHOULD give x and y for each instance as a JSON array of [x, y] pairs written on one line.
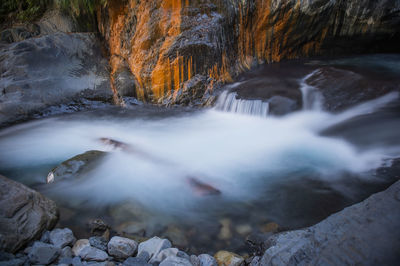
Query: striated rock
[[92, 254], [166, 44], [153, 246], [207, 260], [62, 237], [79, 245], [24, 215], [42, 253], [74, 166], [121, 247], [175, 261], [52, 74], [352, 236], [225, 258]]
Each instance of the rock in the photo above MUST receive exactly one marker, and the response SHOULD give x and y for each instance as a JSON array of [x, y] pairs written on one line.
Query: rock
[[225, 232], [65, 261], [207, 260], [174, 261], [62, 237], [75, 166], [153, 246], [121, 247], [98, 228], [14, 262], [98, 242], [79, 245], [93, 254], [352, 236], [66, 252], [45, 237], [279, 105], [76, 261], [163, 254], [103, 263], [42, 253], [243, 229], [194, 260], [25, 211], [225, 258], [269, 228], [135, 262], [56, 73]]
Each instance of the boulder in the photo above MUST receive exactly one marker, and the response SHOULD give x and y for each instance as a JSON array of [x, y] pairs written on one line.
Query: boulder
[[62, 237], [42, 253], [226, 258], [153, 246], [72, 167], [24, 215], [93, 254], [353, 236], [121, 247]]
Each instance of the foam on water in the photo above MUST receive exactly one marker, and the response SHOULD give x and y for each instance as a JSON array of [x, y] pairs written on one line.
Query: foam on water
[[237, 154]]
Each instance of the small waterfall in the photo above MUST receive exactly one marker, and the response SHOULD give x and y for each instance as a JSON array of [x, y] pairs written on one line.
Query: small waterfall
[[228, 102], [311, 96]]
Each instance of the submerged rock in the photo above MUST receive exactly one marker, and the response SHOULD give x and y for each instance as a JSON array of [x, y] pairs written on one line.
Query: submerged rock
[[74, 166], [363, 234], [226, 258], [24, 215]]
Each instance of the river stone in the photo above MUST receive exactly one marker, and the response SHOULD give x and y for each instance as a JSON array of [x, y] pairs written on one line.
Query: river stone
[[194, 260], [66, 252], [121, 247], [42, 253], [175, 261], [163, 254], [366, 233], [79, 245], [153, 246], [226, 258], [76, 261], [25, 211], [45, 237], [98, 242], [62, 237], [72, 167], [207, 260], [93, 254], [135, 261]]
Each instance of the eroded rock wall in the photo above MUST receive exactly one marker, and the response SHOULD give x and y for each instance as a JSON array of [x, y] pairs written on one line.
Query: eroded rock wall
[[157, 46]]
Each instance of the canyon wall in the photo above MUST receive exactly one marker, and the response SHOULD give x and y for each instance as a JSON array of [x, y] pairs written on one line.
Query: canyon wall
[[176, 51]]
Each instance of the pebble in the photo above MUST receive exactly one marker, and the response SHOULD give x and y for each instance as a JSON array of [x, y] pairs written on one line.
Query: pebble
[[153, 246], [175, 261], [79, 245], [43, 253], [135, 262], [62, 237], [195, 260], [227, 258], [93, 254], [207, 260], [121, 247], [66, 252], [98, 242]]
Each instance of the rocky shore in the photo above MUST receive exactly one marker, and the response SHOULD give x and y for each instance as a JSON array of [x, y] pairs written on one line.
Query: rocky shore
[[351, 236]]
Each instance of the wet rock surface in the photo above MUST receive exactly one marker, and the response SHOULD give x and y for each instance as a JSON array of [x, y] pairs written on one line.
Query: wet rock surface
[[24, 214], [51, 74], [352, 236]]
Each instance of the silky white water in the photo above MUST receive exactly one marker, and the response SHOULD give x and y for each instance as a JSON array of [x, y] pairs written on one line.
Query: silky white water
[[237, 154]]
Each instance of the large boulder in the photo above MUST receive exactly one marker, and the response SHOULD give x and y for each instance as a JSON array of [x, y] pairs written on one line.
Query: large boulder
[[24, 215], [52, 74], [363, 234]]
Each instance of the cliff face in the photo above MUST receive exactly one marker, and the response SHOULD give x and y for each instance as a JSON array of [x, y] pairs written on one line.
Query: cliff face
[[175, 51]]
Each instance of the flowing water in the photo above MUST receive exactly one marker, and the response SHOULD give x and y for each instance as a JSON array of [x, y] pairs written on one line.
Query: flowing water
[[293, 169]]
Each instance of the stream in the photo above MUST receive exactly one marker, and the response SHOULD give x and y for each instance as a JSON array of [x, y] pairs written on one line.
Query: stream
[[287, 144]]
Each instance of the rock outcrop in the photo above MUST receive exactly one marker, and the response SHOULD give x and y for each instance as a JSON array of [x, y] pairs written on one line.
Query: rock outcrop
[[363, 234], [24, 215], [158, 47]]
